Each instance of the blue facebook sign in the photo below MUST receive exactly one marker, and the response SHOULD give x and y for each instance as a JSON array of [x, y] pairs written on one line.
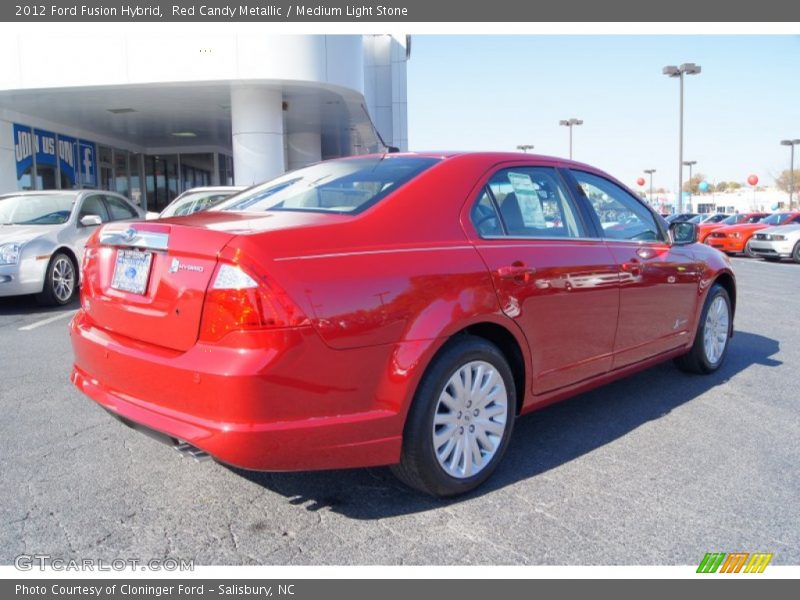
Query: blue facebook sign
[[23, 148], [87, 164]]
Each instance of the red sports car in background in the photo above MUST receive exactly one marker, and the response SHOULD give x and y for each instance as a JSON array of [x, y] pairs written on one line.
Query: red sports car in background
[[705, 229], [398, 309], [735, 239]]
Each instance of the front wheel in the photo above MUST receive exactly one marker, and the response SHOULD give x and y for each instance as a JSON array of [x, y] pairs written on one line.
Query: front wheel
[[796, 253], [460, 421], [713, 334], [748, 251], [60, 281]]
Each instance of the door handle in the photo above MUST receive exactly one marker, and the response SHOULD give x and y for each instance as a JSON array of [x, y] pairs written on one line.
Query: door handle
[[516, 270], [633, 266]]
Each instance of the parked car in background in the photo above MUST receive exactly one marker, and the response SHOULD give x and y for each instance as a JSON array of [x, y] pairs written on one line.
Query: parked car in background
[[705, 229], [680, 217], [775, 243], [197, 199], [398, 309], [42, 238], [735, 239], [709, 218]]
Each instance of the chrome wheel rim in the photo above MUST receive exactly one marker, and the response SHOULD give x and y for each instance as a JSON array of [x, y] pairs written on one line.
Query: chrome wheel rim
[[63, 279], [470, 419], [716, 329]]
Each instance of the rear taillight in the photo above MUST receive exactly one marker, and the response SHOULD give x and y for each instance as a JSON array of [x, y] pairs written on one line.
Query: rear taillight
[[236, 301]]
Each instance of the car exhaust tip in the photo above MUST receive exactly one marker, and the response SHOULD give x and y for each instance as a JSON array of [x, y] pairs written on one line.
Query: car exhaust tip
[[186, 450]]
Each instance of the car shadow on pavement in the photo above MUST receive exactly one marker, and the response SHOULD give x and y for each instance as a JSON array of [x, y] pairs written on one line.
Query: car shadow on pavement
[[27, 305], [542, 440]]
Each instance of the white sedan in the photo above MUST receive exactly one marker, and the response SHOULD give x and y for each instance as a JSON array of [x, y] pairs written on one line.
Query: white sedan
[[775, 243], [42, 238]]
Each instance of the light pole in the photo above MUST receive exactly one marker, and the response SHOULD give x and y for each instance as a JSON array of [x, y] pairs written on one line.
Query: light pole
[[570, 123], [690, 164], [650, 172], [679, 72], [525, 147], [791, 144]]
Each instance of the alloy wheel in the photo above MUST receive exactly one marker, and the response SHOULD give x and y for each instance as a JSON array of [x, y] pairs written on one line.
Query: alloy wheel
[[470, 419], [716, 330], [63, 279]]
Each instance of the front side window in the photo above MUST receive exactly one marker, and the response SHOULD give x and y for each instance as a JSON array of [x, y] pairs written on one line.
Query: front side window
[[335, 186], [621, 216], [532, 203], [119, 210], [93, 205]]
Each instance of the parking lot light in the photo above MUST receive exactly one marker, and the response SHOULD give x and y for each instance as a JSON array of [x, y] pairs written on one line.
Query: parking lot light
[[679, 72], [690, 164], [791, 144], [650, 172], [570, 123]]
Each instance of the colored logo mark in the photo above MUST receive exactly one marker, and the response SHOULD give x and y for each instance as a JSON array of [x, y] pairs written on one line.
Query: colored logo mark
[[736, 562]]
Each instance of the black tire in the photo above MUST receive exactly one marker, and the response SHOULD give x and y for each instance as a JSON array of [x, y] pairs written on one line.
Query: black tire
[[748, 251], [796, 253], [772, 258], [53, 293], [696, 360], [419, 467]]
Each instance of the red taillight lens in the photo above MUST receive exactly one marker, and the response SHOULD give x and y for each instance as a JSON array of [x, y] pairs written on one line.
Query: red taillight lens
[[235, 301]]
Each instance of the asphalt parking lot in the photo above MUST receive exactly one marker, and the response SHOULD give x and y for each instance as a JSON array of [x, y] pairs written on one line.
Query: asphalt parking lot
[[656, 469]]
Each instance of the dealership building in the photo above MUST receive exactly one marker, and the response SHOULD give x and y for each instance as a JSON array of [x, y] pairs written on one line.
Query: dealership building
[[150, 116]]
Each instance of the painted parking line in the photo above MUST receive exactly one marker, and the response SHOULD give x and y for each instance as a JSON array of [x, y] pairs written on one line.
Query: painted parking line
[[48, 320], [785, 265]]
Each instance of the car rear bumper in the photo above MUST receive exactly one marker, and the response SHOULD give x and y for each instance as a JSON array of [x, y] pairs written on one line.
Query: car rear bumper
[[287, 402]]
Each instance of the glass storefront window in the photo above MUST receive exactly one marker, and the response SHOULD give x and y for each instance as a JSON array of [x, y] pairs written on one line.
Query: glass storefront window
[[105, 168], [225, 169], [121, 184], [136, 192]]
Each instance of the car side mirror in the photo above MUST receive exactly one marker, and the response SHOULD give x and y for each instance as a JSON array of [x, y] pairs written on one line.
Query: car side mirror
[[91, 221], [683, 233]]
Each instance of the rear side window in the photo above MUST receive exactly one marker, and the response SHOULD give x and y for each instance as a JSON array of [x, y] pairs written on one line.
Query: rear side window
[[526, 202], [621, 216], [336, 186]]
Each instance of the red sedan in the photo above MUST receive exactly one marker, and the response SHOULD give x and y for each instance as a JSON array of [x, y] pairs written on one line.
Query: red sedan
[[398, 310], [735, 239], [704, 230]]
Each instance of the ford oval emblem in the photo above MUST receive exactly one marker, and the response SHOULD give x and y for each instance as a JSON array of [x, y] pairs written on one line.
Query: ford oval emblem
[[129, 234]]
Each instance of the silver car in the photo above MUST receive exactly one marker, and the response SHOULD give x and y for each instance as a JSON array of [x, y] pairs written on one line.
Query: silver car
[[42, 238], [197, 199], [775, 243]]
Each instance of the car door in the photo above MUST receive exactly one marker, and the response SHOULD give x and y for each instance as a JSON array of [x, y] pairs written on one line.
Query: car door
[[552, 275], [119, 210], [90, 204], [658, 281]]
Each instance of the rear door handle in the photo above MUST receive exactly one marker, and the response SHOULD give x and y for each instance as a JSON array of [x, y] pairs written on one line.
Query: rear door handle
[[516, 270]]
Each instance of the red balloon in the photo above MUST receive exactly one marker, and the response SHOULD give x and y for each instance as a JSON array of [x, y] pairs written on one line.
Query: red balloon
[[752, 180], [640, 181]]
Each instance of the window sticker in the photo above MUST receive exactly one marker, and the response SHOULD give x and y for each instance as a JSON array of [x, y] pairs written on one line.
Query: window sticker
[[528, 197]]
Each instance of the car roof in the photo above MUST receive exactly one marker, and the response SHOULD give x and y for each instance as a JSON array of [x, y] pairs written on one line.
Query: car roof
[[215, 188]]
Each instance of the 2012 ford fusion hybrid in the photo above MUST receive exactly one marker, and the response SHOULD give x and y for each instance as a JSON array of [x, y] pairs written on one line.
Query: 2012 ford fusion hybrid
[[397, 309]]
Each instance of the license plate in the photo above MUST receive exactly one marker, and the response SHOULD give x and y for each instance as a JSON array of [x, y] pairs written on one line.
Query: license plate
[[132, 271]]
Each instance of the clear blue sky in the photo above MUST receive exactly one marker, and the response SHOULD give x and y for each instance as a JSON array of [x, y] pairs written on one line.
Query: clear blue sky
[[495, 92]]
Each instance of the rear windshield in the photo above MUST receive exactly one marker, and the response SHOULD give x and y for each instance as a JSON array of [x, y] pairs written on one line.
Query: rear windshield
[[336, 186]]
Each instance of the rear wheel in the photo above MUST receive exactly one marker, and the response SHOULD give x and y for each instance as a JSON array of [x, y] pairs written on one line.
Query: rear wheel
[[460, 421], [713, 334], [60, 281], [796, 253]]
